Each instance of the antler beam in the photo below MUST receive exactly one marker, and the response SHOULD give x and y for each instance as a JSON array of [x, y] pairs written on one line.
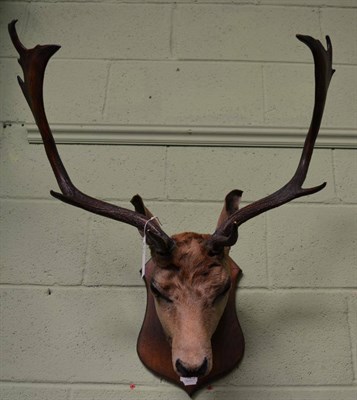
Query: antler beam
[[227, 233], [33, 62]]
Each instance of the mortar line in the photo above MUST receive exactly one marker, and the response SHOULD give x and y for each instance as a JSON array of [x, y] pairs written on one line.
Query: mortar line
[[319, 9], [245, 203], [86, 253], [27, 18], [190, 60], [106, 87], [264, 95], [267, 265], [150, 385], [246, 289], [258, 4], [171, 38], [334, 169], [296, 203], [166, 164], [352, 339], [75, 286]]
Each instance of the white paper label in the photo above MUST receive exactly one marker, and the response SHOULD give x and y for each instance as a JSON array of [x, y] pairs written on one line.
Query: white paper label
[[189, 381]]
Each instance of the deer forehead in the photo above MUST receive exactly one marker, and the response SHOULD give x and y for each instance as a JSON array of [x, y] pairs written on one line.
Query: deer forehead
[[190, 269]]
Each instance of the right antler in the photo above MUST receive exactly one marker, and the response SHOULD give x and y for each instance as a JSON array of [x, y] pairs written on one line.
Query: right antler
[[227, 233], [33, 63]]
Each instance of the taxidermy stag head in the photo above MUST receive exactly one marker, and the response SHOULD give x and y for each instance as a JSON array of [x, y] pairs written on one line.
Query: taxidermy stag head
[[190, 334]]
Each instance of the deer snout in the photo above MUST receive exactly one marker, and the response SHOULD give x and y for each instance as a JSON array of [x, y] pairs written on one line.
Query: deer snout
[[191, 346], [187, 371], [192, 361]]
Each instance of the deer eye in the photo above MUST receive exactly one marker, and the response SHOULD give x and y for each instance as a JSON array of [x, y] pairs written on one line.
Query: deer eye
[[214, 265], [223, 292], [158, 294]]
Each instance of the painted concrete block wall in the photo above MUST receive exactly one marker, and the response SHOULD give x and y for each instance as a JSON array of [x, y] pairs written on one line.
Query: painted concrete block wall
[[72, 300]]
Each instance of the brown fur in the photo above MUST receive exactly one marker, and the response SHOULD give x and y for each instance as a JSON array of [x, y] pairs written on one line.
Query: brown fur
[[192, 280]]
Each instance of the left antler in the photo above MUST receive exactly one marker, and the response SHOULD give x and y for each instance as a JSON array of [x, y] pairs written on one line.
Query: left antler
[[33, 63], [227, 233]]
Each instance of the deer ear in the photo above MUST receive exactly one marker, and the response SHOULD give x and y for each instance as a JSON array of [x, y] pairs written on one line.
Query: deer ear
[[231, 205]]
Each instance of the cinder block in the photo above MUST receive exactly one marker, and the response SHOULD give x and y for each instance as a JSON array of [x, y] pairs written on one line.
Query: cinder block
[[210, 173], [289, 96], [11, 391], [25, 172], [127, 392], [185, 216], [74, 91], [41, 243], [312, 246], [345, 173], [13, 106], [72, 335], [163, 391], [309, 3], [116, 172], [293, 338], [179, 93], [341, 26], [242, 2], [239, 32], [342, 99], [121, 30], [281, 393], [250, 253], [114, 254], [216, 393]]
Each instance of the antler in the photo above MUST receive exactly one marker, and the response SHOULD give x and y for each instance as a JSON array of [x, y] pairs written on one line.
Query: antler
[[227, 233], [33, 63]]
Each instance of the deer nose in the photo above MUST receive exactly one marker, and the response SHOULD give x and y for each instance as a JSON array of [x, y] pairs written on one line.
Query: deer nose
[[187, 372]]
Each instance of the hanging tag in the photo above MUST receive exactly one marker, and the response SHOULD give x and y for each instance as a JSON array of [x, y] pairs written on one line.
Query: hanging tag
[[143, 255], [189, 381]]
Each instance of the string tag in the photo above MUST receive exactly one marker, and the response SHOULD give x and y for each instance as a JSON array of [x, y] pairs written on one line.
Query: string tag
[[143, 255], [189, 381]]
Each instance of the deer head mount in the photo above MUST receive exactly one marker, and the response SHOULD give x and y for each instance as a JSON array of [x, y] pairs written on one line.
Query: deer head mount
[[190, 330]]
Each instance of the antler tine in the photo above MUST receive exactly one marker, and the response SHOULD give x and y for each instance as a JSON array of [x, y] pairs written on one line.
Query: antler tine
[[33, 62], [226, 233]]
